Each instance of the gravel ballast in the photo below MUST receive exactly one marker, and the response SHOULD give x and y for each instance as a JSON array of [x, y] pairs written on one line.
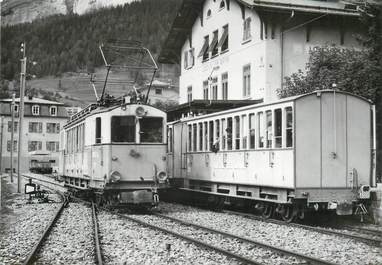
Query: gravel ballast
[[327, 247], [125, 242], [71, 239], [21, 226]]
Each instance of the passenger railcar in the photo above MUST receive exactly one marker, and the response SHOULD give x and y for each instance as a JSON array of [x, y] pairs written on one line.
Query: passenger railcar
[[118, 153], [315, 151]]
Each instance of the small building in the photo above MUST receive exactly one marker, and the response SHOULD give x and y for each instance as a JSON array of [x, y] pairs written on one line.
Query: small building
[[43, 120], [72, 110], [243, 49], [161, 91]]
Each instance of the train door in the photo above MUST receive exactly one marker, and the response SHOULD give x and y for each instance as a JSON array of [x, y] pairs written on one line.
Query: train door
[[170, 151], [334, 139]]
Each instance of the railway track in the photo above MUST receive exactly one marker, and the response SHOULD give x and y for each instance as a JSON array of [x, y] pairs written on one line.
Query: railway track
[[166, 224], [375, 241], [32, 257], [41, 249]]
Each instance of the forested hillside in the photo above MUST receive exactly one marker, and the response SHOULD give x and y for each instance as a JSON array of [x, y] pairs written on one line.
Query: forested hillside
[[69, 43]]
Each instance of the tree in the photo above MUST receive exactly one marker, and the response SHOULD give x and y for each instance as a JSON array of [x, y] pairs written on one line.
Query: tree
[[356, 71]]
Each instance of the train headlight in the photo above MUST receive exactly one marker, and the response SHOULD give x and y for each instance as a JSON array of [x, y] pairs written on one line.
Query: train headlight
[[115, 176], [140, 111], [162, 176]]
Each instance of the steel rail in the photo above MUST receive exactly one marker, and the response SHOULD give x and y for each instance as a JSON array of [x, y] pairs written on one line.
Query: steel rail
[[192, 240], [311, 260], [99, 259], [365, 230], [365, 239], [33, 254]]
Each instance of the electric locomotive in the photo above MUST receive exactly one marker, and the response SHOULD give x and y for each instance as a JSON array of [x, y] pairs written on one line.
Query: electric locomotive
[[116, 152], [306, 153]]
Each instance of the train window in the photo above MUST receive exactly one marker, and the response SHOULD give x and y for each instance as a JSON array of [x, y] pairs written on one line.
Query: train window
[[123, 129], [269, 133], [252, 131], [205, 136], [194, 133], [200, 125], [211, 135], [217, 139], [224, 134], [244, 131], [229, 134], [278, 130], [261, 129], [289, 126], [98, 130], [169, 140], [189, 138], [237, 132], [151, 130]]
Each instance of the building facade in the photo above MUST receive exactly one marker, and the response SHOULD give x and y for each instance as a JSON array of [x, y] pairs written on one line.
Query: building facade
[[43, 120], [161, 92], [241, 49]]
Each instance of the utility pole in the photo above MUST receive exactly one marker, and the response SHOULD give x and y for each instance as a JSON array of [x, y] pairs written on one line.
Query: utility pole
[[12, 132], [21, 110]]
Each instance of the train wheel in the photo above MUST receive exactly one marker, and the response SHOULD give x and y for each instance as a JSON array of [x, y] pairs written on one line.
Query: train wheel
[[288, 213], [268, 210]]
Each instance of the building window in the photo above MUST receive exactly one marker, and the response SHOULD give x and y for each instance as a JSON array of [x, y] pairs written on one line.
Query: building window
[[158, 91], [52, 146], [189, 94], [35, 110], [222, 4], [223, 42], [225, 86], [247, 80], [190, 58], [34, 146], [35, 127], [205, 90], [247, 29], [52, 127], [15, 124], [209, 13], [14, 146], [204, 51], [214, 48], [15, 109], [53, 111], [185, 60], [215, 88]]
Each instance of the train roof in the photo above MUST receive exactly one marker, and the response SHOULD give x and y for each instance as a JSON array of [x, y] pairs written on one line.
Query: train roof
[[284, 100], [95, 108]]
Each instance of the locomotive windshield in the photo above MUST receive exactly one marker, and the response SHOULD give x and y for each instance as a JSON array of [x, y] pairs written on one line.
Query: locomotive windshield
[[151, 129], [123, 129]]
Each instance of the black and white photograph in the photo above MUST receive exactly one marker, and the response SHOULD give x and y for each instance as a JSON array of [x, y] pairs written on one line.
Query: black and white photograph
[[190, 132]]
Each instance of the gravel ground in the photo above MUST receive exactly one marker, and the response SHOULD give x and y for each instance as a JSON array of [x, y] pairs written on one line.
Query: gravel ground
[[327, 247], [71, 239], [125, 242], [247, 250], [21, 225]]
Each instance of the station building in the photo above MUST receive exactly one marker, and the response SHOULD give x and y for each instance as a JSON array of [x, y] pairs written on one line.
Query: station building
[[243, 49], [43, 120]]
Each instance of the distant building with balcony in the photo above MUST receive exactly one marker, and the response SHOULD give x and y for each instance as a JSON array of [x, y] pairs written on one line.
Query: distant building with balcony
[[161, 91], [43, 120]]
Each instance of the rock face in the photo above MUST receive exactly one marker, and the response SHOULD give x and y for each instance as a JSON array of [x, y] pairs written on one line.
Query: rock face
[[22, 11], [82, 6]]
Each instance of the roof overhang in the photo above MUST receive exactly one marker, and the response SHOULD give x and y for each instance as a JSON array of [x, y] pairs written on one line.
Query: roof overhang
[[199, 106], [190, 10]]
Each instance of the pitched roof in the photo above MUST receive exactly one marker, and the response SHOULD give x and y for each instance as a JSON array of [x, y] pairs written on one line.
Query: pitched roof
[[34, 100], [190, 10]]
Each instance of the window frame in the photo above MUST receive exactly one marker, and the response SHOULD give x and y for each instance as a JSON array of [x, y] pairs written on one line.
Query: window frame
[[55, 110], [35, 107], [247, 80]]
